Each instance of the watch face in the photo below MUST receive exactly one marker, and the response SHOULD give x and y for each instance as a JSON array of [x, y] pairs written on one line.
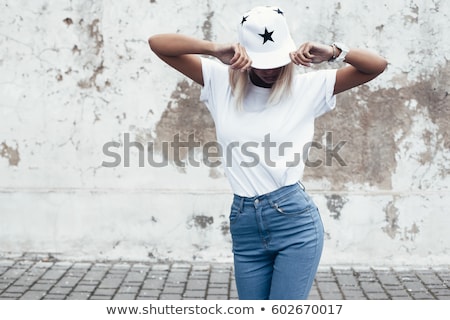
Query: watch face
[[344, 50], [341, 46]]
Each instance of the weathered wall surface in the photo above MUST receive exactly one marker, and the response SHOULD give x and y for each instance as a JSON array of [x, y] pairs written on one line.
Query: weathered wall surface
[[76, 75]]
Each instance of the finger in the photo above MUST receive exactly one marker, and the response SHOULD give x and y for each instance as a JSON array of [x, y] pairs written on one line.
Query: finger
[[307, 49], [239, 57], [302, 55], [299, 58], [294, 58], [247, 62], [242, 61], [236, 54], [247, 66], [308, 55], [237, 61]]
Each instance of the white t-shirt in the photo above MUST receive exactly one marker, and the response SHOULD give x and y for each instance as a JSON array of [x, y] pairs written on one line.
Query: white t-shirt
[[263, 146]]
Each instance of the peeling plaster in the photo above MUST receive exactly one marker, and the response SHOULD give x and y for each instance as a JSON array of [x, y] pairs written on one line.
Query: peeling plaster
[[411, 233], [201, 221], [10, 153], [335, 204], [392, 214], [68, 21], [91, 50], [184, 115], [95, 34], [92, 80], [207, 25], [225, 228], [375, 122]]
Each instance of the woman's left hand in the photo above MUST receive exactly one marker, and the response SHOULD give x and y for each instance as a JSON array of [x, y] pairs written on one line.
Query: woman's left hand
[[311, 52]]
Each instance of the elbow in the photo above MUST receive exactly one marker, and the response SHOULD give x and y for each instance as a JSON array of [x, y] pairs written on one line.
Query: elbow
[[382, 65], [151, 43], [377, 67], [155, 43]]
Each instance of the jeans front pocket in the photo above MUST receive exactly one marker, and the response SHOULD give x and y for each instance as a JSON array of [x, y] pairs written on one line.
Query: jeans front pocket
[[234, 213], [295, 203]]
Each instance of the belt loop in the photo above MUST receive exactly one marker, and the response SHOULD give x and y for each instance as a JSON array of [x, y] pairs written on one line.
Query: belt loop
[[301, 185], [241, 205]]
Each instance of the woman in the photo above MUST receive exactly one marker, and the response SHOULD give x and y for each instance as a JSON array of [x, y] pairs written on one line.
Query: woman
[[264, 116]]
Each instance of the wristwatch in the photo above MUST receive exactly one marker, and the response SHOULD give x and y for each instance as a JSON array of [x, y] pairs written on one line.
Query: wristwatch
[[344, 50]]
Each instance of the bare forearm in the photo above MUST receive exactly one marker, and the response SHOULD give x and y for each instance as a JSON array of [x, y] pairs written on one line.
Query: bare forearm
[[362, 60], [363, 67], [173, 45], [365, 61]]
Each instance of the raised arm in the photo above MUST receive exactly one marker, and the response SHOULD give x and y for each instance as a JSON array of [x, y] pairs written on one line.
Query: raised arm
[[363, 64], [182, 53]]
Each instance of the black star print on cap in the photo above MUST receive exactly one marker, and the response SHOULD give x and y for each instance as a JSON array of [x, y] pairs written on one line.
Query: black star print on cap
[[244, 19], [266, 35], [279, 11]]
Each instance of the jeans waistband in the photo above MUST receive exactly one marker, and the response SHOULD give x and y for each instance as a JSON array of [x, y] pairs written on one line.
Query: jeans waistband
[[273, 195]]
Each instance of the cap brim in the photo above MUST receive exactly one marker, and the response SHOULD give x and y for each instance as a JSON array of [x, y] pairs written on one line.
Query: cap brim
[[270, 60]]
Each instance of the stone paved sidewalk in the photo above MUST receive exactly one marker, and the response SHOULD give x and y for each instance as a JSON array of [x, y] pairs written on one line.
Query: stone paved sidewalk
[[45, 279]]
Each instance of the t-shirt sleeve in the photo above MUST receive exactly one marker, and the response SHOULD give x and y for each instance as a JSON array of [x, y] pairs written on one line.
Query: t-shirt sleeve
[[206, 72], [214, 75], [326, 80]]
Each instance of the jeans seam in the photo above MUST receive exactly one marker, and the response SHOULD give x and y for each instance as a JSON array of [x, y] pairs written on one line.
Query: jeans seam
[[280, 211], [315, 252], [282, 197]]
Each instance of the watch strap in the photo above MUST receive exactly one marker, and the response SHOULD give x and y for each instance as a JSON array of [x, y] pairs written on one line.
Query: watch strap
[[344, 50]]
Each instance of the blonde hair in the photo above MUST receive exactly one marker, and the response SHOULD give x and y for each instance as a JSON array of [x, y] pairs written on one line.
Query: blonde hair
[[281, 87]]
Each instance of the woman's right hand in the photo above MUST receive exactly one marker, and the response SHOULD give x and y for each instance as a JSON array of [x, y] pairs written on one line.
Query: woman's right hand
[[233, 55]]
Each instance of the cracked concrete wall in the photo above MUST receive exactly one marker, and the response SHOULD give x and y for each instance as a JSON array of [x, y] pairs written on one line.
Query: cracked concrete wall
[[78, 74]]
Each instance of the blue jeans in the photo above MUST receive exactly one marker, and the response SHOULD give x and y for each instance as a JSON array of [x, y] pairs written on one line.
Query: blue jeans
[[277, 244]]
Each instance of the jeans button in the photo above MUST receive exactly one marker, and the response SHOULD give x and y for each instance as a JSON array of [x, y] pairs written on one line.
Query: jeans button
[[256, 201]]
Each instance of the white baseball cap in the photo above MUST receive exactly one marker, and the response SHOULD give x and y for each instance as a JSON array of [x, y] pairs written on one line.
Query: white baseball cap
[[264, 33]]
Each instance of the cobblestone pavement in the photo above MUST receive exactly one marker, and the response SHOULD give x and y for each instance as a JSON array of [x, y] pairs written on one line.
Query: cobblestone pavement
[[35, 279]]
